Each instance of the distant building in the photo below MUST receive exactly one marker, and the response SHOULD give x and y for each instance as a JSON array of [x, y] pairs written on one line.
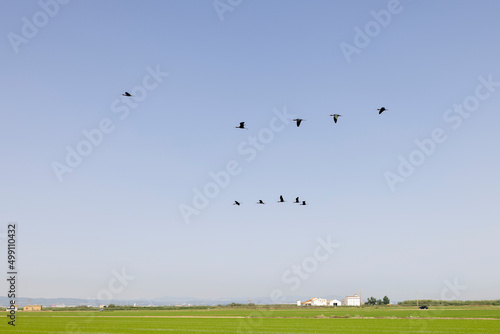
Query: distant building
[[352, 300], [32, 308], [334, 302], [103, 306], [313, 302], [318, 302]]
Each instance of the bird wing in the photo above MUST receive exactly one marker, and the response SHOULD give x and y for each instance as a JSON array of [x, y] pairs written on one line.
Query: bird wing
[[242, 124], [298, 122], [335, 119], [281, 199]]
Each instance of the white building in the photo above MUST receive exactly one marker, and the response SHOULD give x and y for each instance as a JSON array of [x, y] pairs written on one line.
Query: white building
[[318, 302], [313, 302], [352, 300], [334, 302]]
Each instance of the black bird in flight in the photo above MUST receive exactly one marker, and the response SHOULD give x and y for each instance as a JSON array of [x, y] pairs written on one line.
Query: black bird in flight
[[236, 203], [335, 117], [242, 126], [281, 199], [303, 203], [127, 94], [381, 110], [298, 120], [260, 202], [296, 200]]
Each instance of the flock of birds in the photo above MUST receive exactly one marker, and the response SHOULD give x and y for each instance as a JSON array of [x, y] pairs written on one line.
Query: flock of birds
[[298, 120], [282, 200]]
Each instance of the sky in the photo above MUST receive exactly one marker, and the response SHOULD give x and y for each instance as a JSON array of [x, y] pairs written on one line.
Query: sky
[[132, 197]]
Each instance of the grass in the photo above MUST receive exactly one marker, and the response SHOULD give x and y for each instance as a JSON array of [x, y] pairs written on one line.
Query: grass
[[263, 320], [309, 312]]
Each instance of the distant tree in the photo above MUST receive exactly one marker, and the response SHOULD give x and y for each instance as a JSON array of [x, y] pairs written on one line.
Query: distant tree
[[386, 300], [371, 301], [111, 305], [379, 302], [234, 305]]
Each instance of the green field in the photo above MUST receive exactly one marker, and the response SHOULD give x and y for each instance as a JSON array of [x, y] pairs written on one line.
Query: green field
[[263, 320]]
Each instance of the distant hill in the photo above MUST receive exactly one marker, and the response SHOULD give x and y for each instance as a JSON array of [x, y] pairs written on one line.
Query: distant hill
[[161, 301]]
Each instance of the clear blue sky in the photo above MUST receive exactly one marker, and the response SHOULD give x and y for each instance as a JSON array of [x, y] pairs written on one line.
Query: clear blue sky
[[120, 208]]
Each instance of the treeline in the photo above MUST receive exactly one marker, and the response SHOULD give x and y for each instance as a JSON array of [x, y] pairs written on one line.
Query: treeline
[[375, 301], [113, 307], [431, 302]]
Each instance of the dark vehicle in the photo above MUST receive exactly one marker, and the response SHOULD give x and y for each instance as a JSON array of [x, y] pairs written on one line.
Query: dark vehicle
[[423, 307]]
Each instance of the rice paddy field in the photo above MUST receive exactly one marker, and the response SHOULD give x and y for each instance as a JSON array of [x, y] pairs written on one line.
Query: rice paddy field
[[263, 320]]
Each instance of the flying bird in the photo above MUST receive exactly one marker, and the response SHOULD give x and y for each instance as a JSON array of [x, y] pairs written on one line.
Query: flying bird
[[260, 202], [296, 200], [335, 117], [381, 110], [281, 199], [242, 126], [303, 203], [298, 120], [127, 94], [236, 203]]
